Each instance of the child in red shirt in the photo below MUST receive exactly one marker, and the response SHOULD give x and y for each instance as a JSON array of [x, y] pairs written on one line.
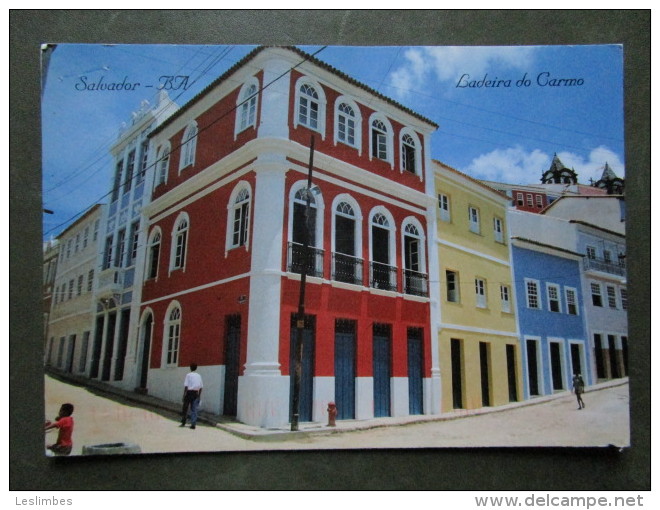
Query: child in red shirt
[[64, 422]]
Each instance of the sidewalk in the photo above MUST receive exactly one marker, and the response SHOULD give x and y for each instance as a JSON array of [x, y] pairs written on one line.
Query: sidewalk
[[308, 428]]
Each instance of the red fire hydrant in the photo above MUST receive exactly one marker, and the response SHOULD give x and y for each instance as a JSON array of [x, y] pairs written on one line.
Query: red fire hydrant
[[332, 414]]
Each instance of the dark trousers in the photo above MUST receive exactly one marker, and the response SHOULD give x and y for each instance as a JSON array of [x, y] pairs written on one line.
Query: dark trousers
[[190, 400]]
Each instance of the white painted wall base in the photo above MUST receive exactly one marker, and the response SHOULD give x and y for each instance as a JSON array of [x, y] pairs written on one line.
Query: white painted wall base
[[263, 400], [364, 398], [400, 398], [167, 384]]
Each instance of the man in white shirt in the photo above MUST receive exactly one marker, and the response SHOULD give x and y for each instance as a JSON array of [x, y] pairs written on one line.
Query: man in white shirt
[[192, 391]]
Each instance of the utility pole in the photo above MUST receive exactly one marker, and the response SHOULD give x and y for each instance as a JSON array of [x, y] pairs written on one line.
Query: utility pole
[[300, 319]]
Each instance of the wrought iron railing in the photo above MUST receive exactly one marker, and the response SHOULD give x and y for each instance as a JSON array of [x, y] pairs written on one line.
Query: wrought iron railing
[[415, 283], [382, 276], [311, 261], [618, 268], [346, 268]]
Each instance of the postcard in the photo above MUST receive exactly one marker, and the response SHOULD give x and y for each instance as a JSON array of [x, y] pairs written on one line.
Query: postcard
[[333, 247]]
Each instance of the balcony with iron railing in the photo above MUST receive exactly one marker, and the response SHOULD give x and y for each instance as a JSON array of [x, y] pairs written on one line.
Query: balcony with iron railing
[[346, 268], [382, 276], [415, 283], [311, 261], [606, 266]]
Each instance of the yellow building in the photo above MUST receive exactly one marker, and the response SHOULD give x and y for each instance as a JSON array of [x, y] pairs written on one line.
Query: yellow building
[[479, 354]]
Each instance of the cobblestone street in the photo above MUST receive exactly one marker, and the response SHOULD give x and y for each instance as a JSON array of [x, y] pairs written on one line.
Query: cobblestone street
[[551, 422]]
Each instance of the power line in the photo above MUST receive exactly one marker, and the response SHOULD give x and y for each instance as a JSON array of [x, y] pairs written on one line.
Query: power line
[[200, 130]]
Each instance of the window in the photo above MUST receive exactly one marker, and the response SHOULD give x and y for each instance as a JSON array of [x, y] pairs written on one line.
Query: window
[[415, 281], [300, 224], [607, 256], [134, 243], [347, 121], [453, 295], [346, 263], [173, 335], [154, 254], [68, 248], [624, 298], [107, 253], [96, 230], [180, 241], [383, 275], [473, 215], [571, 301], [77, 243], [240, 216], [532, 288], [505, 297], [85, 237], [130, 167], [530, 200], [70, 295], [80, 285], [596, 298], [117, 182], [498, 230], [247, 106], [378, 140], [188, 146], [162, 163], [144, 158], [539, 201], [591, 252], [443, 203], [520, 199], [553, 298], [480, 291], [408, 159], [121, 248], [611, 296], [90, 280], [308, 107]]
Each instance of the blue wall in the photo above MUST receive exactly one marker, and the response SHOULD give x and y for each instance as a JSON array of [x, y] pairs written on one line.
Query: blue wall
[[544, 324]]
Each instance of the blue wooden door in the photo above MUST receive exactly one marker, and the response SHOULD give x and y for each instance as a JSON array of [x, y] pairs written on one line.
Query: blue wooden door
[[382, 371], [307, 375], [415, 370], [345, 369], [232, 364]]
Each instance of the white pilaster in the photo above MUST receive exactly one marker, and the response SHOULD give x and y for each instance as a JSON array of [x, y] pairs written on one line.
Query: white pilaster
[[324, 392], [400, 397], [262, 390], [364, 398]]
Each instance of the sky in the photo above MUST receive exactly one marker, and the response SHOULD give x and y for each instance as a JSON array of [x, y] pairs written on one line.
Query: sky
[[503, 112]]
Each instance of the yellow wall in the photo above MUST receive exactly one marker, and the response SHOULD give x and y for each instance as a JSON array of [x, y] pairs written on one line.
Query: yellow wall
[[475, 255]]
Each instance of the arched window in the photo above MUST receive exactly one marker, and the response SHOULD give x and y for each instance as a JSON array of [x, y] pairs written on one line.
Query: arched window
[[347, 263], [154, 253], [240, 218], [348, 123], [172, 334], [383, 270], [188, 146], [381, 139], [414, 263], [408, 157], [179, 243], [162, 163], [310, 105], [302, 222], [246, 107]]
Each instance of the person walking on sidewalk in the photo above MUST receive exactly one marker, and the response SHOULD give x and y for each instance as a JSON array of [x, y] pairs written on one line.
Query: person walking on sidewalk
[[578, 389], [192, 391]]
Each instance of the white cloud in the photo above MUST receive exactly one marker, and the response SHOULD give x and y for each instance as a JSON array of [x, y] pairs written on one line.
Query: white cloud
[[449, 63], [515, 165]]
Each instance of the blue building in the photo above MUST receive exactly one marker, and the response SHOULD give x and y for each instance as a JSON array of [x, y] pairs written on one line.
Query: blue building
[[549, 294]]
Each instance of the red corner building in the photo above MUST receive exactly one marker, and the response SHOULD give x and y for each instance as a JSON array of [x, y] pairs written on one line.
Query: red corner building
[[224, 254]]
